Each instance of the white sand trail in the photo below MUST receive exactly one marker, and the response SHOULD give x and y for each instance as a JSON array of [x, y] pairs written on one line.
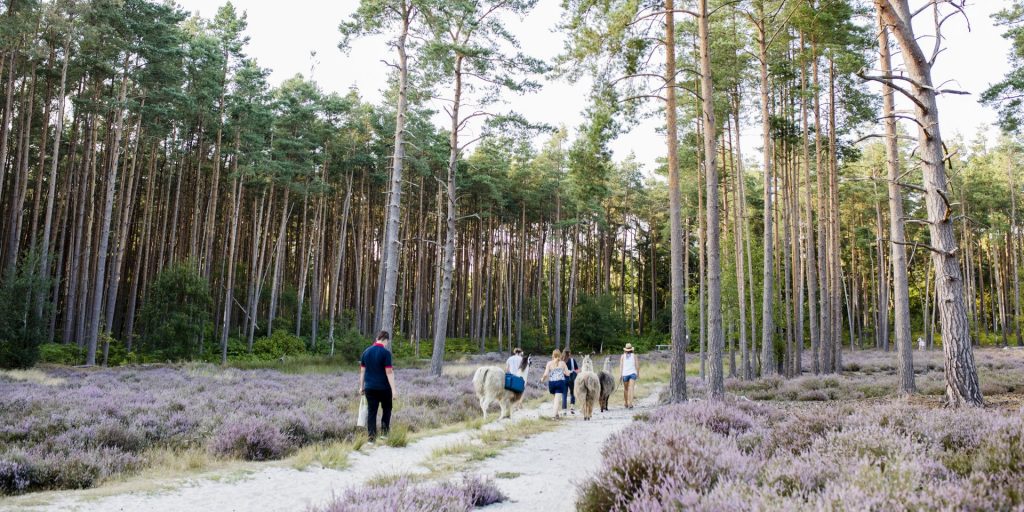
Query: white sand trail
[[544, 471]]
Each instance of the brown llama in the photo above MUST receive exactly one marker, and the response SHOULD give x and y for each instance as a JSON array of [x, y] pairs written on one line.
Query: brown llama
[[607, 383]]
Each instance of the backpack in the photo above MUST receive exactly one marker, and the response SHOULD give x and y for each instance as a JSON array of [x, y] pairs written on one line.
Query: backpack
[[514, 384]]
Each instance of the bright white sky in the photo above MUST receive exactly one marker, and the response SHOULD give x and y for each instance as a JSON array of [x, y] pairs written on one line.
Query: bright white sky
[[283, 35]]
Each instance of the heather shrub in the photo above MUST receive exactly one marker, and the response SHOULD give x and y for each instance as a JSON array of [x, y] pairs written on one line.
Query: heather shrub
[[668, 459], [863, 456], [105, 422], [482, 492], [815, 395], [250, 439], [403, 495], [14, 477]]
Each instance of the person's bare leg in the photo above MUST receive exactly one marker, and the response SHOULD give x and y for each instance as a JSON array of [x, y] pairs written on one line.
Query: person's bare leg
[[625, 393], [556, 403]]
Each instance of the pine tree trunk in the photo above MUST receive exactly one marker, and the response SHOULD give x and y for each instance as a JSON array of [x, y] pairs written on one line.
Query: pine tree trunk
[[51, 194], [835, 285], [339, 262], [716, 340], [20, 188], [961, 376], [129, 192], [739, 222], [448, 264], [229, 283], [556, 292], [897, 239], [882, 305], [275, 283], [768, 294], [824, 300], [1014, 253], [104, 237], [677, 380], [702, 259], [392, 244], [6, 119], [810, 262], [573, 271]]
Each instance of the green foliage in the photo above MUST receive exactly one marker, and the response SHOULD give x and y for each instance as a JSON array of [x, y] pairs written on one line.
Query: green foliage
[[278, 345], [454, 348], [65, 354], [1007, 93], [176, 312], [21, 329], [349, 343], [642, 344], [590, 158], [597, 323]]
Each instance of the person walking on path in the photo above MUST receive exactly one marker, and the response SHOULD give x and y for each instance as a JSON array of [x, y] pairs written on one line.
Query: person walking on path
[[377, 383], [555, 371], [514, 362], [574, 368], [629, 372]]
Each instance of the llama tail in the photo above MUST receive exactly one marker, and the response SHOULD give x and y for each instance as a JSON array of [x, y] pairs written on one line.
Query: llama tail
[[479, 379]]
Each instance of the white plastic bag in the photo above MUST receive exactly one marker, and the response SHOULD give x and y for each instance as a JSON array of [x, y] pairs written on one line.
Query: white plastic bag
[[363, 411]]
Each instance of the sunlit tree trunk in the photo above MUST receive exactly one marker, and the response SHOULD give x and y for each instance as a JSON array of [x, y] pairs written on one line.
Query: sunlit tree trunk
[[677, 383], [897, 240], [767, 319], [961, 375]]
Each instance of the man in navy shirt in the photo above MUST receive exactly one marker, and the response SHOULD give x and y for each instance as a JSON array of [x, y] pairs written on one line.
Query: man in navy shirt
[[377, 382]]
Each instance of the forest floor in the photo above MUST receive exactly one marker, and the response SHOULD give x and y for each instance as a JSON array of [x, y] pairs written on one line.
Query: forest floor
[[534, 460]]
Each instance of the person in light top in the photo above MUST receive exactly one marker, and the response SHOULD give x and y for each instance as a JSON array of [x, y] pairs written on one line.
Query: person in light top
[[556, 372], [512, 365], [377, 382], [629, 372]]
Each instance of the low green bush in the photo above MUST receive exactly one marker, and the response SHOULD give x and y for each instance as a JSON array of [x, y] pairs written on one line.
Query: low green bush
[[57, 353], [278, 345]]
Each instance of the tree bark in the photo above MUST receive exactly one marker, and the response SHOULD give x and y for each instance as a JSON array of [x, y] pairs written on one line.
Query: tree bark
[[51, 194], [392, 244], [677, 382], [716, 340], [962, 387], [444, 297], [767, 319], [897, 242], [104, 238]]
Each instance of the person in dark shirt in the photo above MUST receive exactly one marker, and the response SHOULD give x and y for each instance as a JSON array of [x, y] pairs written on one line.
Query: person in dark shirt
[[377, 382], [570, 363]]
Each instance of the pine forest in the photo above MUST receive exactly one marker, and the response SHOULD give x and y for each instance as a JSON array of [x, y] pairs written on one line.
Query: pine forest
[[816, 263]]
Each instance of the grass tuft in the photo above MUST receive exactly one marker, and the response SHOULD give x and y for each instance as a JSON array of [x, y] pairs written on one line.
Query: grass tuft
[[398, 437]]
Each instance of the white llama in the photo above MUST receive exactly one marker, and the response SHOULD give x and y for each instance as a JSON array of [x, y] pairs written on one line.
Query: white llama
[[588, 387], [489, 383]]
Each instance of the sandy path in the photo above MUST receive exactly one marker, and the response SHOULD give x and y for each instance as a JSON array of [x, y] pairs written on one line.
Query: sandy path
[[542, 483], [551, 465]]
